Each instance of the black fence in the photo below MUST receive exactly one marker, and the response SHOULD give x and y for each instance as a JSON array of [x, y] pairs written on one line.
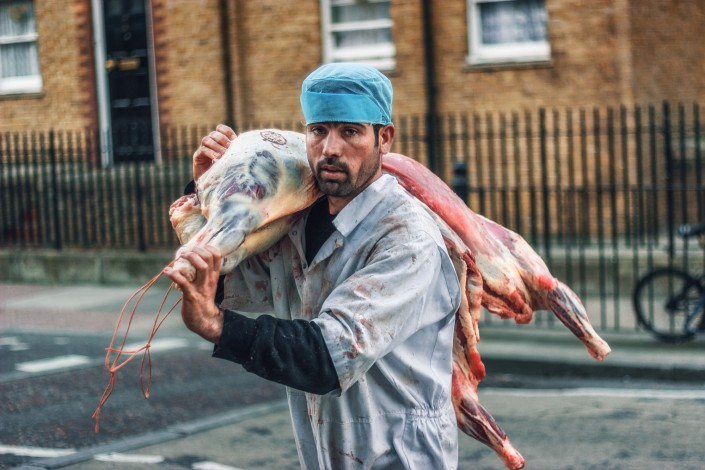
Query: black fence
[[598, 192], [56, 194]]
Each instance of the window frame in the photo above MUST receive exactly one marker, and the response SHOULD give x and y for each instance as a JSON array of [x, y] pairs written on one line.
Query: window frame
[[381, 56], [27, 84], [517, 52]]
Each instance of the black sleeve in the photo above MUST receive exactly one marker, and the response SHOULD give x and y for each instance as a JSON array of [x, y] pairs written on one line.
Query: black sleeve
[[220, 290], [190, 188], [289, 352]]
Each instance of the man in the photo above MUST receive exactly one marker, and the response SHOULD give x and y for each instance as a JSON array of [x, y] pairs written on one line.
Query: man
[[362, 290]]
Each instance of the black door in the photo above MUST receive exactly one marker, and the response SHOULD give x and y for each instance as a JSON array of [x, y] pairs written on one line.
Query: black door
[[127, 69]]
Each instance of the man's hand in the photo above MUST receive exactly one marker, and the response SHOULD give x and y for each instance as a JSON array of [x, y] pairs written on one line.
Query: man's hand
[[213, 146], [198, 309]]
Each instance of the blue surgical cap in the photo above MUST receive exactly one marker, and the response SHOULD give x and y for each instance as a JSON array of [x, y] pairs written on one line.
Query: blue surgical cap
[[347, 92]]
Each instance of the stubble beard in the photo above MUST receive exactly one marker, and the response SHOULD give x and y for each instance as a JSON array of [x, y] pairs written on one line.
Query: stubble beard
[[346, 187]]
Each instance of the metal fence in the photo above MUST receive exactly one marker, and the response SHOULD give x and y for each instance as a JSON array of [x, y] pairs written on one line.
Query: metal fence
[[598, 192]]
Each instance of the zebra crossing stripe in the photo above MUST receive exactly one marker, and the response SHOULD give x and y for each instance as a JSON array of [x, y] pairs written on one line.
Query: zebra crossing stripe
[[59, 362], [40, 452]]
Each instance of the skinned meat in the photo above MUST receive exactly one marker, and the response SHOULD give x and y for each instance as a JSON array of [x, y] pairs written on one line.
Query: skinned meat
[[468, 370], [248, 199], [516, 281], [186, 218], [253, 194]]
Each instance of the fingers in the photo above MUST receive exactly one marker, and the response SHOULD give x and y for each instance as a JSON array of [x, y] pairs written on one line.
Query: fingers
[[209, 258], [226, 131], [217, 141], [177, 277], [203, 261], [213, 146]]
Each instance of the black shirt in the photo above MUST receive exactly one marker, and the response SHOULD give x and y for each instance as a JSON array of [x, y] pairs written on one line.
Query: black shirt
[[319, 226], [290, 352]]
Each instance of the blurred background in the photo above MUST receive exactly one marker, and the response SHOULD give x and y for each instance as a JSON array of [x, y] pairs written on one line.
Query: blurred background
[[577, 124]]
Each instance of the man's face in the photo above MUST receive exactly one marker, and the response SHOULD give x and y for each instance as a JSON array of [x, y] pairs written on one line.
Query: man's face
[[344, 157]]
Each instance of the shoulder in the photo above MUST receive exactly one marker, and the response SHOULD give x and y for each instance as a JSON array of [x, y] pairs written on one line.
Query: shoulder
[[401, 214]]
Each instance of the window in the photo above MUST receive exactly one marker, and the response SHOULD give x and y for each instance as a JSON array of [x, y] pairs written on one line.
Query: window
[[19, 62], [358, 31], [507, 31]]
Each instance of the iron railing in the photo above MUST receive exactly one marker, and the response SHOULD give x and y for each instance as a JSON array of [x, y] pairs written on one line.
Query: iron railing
[[597, 192]]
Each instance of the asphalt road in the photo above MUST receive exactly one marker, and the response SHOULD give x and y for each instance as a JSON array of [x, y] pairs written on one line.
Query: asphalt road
[[207, 414], [557, 423], [50, 385]]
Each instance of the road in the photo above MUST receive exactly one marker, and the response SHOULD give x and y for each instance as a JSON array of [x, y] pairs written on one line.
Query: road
[[204, 413], [555, 423], [51, 384]]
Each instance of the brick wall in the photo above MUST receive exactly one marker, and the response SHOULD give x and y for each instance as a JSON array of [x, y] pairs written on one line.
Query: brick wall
[[67, 99], [189, 61], [603, 52], [276, 44], [583, 36], [668, 49]]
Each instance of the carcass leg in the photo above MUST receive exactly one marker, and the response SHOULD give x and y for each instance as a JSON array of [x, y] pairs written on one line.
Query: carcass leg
[[547, 292], [473, 419], [568, 308]]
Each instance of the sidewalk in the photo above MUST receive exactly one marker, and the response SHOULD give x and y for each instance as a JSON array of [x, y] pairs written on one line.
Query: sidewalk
[[504, 346], [505, 349]]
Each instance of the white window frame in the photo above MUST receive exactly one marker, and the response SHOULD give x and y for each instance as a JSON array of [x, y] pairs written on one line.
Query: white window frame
[[20, 85], [518, 52], [381, 56]]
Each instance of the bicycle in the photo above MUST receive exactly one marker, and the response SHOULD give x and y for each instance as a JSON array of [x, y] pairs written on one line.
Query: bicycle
[[669, 301]]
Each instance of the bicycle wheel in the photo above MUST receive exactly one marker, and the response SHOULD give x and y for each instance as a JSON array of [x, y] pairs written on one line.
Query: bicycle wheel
[[663, 301]]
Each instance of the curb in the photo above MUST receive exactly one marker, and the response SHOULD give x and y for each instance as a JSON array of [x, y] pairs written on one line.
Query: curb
[[548, 369], [177, 431]]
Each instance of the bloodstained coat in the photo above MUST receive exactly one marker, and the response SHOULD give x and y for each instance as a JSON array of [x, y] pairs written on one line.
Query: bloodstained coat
[[384, 293]]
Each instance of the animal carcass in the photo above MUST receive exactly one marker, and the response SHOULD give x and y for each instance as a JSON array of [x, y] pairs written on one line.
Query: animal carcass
[[250, 197]]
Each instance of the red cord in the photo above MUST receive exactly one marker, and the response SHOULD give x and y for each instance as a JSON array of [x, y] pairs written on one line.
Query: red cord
[[115, 365]]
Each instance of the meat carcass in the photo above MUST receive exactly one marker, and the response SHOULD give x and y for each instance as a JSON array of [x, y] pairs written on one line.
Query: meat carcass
[[468, 370], [516, 281], [248, 199], [252, 195]]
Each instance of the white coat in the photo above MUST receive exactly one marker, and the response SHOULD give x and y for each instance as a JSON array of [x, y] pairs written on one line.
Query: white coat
[[384, 293]]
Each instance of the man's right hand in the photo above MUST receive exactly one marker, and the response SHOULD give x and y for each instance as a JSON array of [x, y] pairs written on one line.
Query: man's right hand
[[213, 146]]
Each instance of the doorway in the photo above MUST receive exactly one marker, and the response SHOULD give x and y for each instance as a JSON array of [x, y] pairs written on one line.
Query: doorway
[[128, 83]]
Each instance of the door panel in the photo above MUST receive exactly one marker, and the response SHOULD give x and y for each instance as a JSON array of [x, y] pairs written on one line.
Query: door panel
[[127, 69]]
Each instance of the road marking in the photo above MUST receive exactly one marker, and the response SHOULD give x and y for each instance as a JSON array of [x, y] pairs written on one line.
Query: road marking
[[128, 458], [77, 298], [212, 466], [159, 344], [14, 343], [600, 392], [41, 452], [60, 362]]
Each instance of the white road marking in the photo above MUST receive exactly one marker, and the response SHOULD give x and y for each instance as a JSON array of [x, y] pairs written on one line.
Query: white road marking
[[204, 346], [212, 466], [600, 392], [13, 343], [128, 458], [40, 452], [60, 362], [159, 344], [71, 298]]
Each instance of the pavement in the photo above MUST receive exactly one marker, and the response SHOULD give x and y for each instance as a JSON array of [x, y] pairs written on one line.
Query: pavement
[[506, 349]]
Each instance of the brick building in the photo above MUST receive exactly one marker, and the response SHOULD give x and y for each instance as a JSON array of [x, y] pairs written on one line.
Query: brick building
[[74, 64]]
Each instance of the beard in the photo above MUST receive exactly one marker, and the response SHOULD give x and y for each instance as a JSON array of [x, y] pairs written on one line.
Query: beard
[[346, 186]]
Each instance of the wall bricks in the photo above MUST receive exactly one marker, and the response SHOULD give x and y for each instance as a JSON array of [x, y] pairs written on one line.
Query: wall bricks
[[603, 52], [67, 99]]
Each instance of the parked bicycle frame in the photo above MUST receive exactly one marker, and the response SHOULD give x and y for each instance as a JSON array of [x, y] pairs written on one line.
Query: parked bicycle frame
[[669, 301]]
